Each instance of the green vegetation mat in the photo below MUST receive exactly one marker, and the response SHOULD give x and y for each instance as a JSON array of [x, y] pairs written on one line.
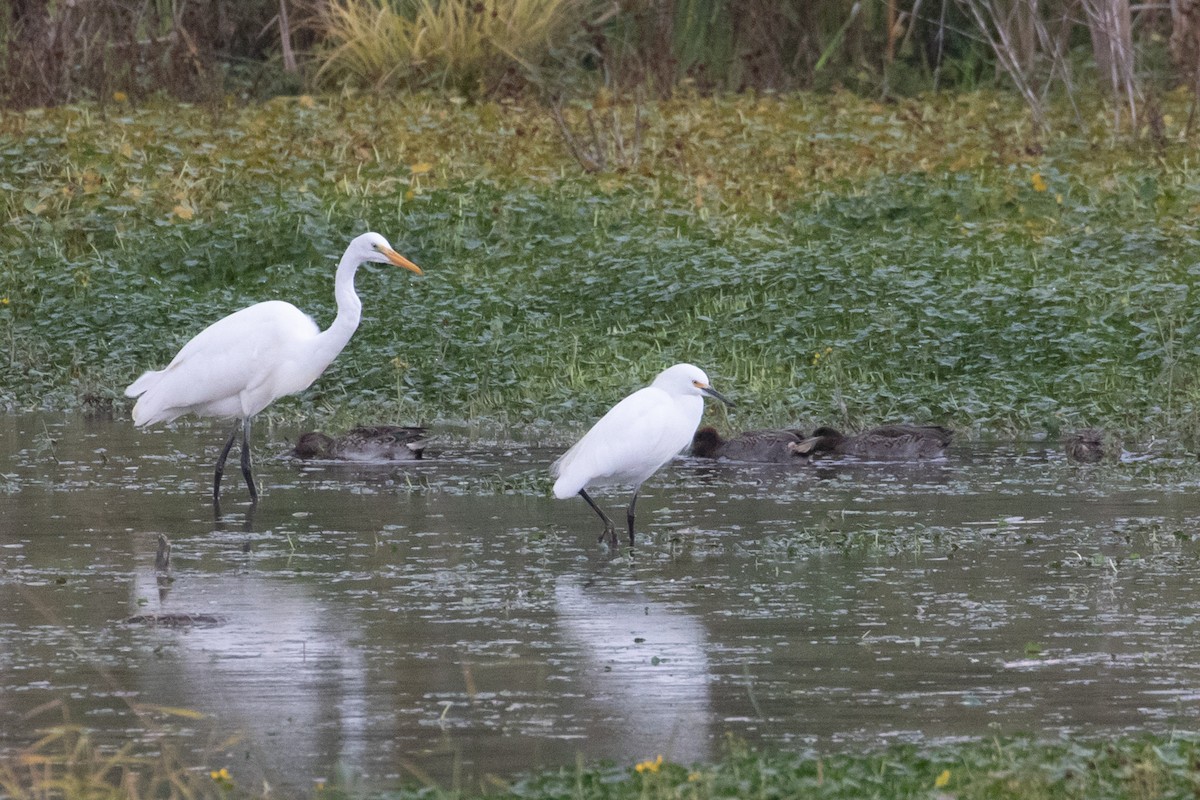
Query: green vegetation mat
[[1014, 768], [993, 769], [825, 258]]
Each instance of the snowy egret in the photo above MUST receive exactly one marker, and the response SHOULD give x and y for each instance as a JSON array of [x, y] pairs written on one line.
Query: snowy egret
[[886, 441], [374, 443], [769, 445], [241, 363], [635, 438]]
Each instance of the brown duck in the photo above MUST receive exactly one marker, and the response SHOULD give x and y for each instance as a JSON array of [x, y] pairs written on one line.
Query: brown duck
[[366, 443], [769, 445], [1089, 446], [886, 441]]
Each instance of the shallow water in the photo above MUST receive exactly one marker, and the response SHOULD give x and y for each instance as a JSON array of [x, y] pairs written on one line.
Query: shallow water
[[447, 620]]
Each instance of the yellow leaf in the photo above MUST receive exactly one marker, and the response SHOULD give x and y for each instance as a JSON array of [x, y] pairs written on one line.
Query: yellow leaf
[[120, 97], [174, 711], [421, 168], [184, 212], [306, 101], [942, 779]]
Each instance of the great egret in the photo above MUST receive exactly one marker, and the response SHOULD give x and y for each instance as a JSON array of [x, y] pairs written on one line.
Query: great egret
[[636, 437], [374, 443], [886, 441], [770, 445], [241, 363]]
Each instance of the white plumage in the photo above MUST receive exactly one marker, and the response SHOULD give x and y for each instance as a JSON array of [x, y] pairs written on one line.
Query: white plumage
[[250, 358], [635, 438], [241, 363]]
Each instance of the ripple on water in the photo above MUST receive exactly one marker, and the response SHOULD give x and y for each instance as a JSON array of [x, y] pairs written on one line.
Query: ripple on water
[[451, 615]]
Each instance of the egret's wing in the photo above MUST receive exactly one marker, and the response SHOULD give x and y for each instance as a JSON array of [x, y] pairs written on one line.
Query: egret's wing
[[636, 437], [233, 355]]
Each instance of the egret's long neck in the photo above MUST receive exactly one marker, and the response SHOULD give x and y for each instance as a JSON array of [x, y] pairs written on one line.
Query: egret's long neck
[[349, 311], [691, 406]]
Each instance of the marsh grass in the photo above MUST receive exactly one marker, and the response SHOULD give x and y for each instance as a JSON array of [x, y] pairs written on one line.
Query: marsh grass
[[824, 258], [65, 761], [474, 48]]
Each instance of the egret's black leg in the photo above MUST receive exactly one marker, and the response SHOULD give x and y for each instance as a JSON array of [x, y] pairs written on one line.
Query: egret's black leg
[[610, 530], [221, 465], [162, 558], [629, 515], [246, 461]]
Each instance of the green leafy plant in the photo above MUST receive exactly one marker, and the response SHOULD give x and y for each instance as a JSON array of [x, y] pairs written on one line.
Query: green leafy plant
[[941, 271]]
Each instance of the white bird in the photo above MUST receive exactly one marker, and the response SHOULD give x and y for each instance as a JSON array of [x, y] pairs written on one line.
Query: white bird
[[635, 438], [241, 363]]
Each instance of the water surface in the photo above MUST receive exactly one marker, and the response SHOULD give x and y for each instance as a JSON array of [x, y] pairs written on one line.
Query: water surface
[[448, 620]]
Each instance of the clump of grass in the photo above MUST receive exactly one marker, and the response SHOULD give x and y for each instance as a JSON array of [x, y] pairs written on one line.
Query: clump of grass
[[65, 762], [470, 46]]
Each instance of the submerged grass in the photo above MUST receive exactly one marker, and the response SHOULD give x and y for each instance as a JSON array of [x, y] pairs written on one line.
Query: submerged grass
[[824, 258]]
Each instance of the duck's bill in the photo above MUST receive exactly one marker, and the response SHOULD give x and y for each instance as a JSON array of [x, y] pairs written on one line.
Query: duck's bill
[[401, 261]]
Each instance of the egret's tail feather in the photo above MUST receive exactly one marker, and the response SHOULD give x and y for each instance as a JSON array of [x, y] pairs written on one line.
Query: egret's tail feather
[[148, 409], [560, 471], [143, 383], [564, 488]]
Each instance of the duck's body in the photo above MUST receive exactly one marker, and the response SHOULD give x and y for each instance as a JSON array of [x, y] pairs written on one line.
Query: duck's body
[[1089, 446], [365, 443], [769, 445], [901, 442]]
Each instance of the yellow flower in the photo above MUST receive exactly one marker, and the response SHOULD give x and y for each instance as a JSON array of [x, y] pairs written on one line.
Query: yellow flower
[[120, 97], [221, 774], [3, 301], [1039, 183], [649, 766], [942, 779]]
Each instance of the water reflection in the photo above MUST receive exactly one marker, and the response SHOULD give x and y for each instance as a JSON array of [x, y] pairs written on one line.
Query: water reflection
[[629, 653], [446, 617], [277, 664]]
